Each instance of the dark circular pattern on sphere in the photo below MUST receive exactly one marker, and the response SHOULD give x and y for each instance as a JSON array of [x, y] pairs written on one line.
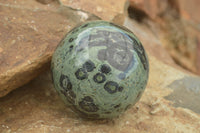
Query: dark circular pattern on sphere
[[105, 68], [111, 87], [100, 69], [120, 88], [71, 39], [67, 88], [81, 74], [99, 78], [65, 83], [89, 66], [88, 105]]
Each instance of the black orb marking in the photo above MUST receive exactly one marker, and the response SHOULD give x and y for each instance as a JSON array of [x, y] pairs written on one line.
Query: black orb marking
[[87, 104], [65, 83], [141, 53], [81, 74], [71, 46], [69, 50], [69, 95], [108, 112], [117, 106], [99, 78], [128, 107], [89, 66], [71, 39], [139, 95], [111, 87], [83, 113], [87, 115], [67, 88], [74, 30], [105, 68], [84, 26], [120, 89]]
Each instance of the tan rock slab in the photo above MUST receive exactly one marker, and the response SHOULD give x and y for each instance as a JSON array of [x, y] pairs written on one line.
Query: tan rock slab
[[190, 10], [29, 33], [105, 9]]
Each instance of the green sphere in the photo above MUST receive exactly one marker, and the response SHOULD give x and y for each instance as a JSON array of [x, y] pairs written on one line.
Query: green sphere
[[100, 69]]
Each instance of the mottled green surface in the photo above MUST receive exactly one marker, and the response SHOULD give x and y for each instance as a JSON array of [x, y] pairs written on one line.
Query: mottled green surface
[[100, 69]]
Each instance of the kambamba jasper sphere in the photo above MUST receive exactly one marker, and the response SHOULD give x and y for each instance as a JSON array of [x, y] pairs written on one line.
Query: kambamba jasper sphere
[[100, 69]]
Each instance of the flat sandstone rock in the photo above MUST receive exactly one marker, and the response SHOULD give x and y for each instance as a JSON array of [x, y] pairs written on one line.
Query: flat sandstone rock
[[27, 40], [105, 9]]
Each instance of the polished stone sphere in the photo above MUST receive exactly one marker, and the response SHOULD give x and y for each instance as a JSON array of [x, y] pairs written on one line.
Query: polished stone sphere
[[100, 69]]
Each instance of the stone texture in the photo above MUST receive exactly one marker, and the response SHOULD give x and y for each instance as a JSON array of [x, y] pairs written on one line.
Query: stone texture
[[105, 9], [179, 27], [190, 10], [28, 36], [181, 39], [153, 8], [36, 107], [45, 1], [149, 7]]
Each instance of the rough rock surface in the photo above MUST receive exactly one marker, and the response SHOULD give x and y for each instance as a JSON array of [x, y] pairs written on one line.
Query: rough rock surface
[[27, 42], [190, 10], [153, 8], [36, 107], [25, 45], [179, 24], [105, 9], [28, 36]]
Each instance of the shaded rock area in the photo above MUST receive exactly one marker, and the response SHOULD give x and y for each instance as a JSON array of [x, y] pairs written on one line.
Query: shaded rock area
[[185, 90], [190, 10], [179, 24], [29, 34]]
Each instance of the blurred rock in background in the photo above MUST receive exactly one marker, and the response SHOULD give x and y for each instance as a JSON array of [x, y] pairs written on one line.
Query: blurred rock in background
[[179, 24], [45, 1]]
